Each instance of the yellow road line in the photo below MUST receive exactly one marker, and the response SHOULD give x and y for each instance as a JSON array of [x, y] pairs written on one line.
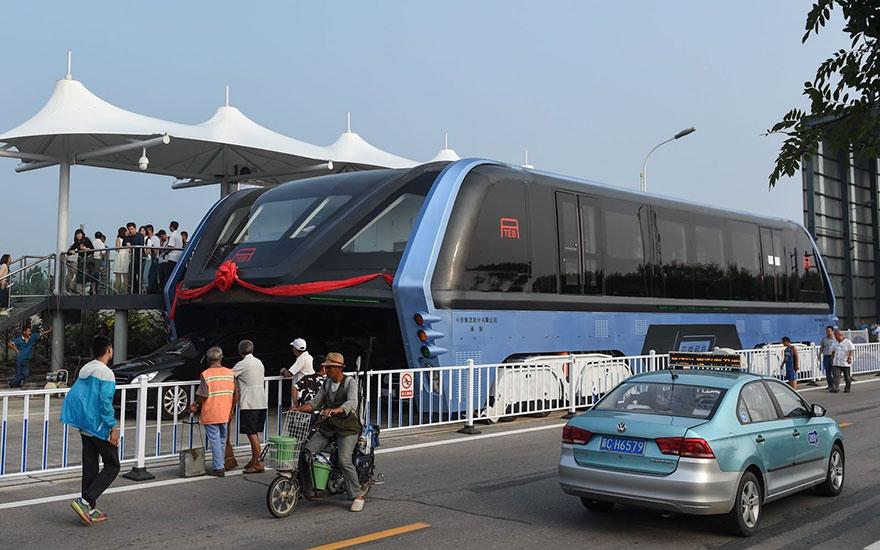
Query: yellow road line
[[844, 424], [379, 535]]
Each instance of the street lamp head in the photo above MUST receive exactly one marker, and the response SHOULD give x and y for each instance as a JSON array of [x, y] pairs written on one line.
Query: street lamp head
[[685, 132]]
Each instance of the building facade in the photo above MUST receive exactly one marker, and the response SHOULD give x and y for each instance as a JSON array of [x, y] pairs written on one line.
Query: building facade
[[841, 213]]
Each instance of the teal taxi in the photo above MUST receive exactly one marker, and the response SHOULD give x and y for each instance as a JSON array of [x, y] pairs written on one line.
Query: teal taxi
[[702, 442]]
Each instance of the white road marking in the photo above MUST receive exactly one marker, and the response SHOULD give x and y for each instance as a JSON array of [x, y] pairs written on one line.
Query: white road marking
[[166, 482], [874, 546], [112, 490], [466, 439]]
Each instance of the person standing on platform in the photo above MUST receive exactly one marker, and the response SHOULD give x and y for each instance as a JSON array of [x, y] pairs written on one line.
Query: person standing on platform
[[89, 407], [214, 402], [152, 253], [249, 374], [123, 258], [790, 362], [5, 261], [134, 240], [175, 243], [843, 360], [826, 354]]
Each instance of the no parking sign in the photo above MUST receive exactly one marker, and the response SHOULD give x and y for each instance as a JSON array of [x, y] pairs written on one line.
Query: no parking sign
[[406, 384]]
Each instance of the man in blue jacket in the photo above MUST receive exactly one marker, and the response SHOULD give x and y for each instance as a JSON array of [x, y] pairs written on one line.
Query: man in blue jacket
[[89, 407]]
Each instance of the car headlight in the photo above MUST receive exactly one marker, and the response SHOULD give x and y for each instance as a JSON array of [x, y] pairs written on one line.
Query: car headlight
[[147, 376]]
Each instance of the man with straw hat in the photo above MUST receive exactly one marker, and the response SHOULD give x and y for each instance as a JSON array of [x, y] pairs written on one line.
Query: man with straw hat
[[337, 402]]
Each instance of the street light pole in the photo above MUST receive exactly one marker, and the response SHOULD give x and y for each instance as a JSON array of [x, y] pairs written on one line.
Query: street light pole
[[643, 176]]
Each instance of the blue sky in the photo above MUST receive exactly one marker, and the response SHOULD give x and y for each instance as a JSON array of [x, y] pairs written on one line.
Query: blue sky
[[587, 87]]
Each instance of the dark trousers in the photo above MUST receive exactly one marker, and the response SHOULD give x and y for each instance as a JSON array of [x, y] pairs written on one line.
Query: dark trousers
[[828, 365], [22, 371], [94, 483], [153, 277], [846, 373], [165, 269]]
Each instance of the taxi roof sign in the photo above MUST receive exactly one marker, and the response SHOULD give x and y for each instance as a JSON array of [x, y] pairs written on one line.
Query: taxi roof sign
[[721, 361]]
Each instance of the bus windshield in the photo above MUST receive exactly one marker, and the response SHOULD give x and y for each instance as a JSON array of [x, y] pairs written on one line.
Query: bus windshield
[[271, 220]]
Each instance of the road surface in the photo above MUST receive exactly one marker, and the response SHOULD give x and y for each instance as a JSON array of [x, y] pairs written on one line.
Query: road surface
[[495, 490]]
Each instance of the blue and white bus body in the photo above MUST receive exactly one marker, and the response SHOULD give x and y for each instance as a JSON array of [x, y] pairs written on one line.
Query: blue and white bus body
[[489, 335]]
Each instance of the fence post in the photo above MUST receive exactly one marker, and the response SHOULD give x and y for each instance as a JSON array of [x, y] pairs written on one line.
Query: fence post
[[572, 398], [770, 368], [139, 470], [653, 355], [469, 428]]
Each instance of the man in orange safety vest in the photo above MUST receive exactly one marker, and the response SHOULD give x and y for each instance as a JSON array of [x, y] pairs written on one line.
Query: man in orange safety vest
[[215, 399]]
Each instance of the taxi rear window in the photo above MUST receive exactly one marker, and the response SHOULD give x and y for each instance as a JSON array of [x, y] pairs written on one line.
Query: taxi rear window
[[665, 399]]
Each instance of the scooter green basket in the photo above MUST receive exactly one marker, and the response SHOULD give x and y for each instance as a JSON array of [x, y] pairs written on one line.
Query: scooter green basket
[[283, 452]]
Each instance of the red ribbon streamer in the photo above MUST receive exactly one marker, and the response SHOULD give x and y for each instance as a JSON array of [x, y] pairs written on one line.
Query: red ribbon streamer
[[227, 276]]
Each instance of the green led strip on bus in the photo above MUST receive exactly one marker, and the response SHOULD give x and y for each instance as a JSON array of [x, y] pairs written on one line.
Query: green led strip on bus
[[693, 308], [344, 300]]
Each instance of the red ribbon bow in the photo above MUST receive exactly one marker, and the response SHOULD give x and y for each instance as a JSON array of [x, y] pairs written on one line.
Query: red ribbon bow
[[226, 277]]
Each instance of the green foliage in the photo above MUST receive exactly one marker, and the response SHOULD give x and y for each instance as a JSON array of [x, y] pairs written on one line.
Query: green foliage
[[843, 95], [146, 332]]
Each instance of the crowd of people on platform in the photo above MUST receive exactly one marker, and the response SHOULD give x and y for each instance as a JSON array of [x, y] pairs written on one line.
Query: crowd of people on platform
[[143, 261]]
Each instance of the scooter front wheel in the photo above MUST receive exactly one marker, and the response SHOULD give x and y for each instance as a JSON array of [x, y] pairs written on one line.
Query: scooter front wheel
[[282, 496]]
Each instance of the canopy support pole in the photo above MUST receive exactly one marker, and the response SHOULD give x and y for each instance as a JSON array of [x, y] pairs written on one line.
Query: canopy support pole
[[61, 248]]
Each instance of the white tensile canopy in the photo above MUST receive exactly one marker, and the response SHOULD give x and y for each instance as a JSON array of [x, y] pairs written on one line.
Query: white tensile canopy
[[76, 127]]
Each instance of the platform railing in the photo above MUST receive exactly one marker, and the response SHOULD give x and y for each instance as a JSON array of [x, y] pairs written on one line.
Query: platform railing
[[154, 419]]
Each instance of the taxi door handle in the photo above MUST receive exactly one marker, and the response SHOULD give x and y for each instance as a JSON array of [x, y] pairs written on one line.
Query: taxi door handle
[[759, 439], [796, 433]]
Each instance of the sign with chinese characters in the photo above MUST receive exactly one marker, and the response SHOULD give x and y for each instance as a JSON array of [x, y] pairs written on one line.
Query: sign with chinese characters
[[717, 360]]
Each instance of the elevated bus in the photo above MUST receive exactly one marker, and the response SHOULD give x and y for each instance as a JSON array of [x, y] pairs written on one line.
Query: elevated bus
[[496, 263]]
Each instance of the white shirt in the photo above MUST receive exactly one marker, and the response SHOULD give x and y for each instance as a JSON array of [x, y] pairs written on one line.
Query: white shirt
[[249, 375], [98, 244], [303, 366], [841, 353], [174, 241]]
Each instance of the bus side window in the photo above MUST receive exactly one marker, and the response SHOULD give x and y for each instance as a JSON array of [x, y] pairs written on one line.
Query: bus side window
[[625, 268], [569, 243]]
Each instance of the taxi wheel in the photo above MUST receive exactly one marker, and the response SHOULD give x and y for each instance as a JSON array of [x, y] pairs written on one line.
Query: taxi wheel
[[597, 506], [833, 484], [743, 519]]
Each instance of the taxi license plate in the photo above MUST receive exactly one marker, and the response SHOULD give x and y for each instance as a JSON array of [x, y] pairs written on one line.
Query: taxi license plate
[[622, 445]]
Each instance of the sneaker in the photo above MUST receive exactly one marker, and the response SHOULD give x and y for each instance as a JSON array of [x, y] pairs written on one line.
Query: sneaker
[[97, 516], [83, 510], [357, 505]]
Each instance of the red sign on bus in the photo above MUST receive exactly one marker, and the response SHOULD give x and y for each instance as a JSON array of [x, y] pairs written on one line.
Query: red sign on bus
[[509, 228]]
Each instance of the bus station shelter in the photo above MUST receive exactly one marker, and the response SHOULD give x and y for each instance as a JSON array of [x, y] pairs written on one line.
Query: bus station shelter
[[76, 127]]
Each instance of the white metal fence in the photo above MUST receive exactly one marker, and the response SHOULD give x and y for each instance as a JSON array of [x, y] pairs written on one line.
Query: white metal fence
[[34, 441]]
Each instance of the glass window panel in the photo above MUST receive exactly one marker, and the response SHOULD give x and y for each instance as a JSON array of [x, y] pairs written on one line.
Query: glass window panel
[[790, 403], [672, 254], [322, 211], [569, 243], [710, 269], [592, 270], [755, 404], [744, 267], [389, 231], [625, 270], [271, 220]]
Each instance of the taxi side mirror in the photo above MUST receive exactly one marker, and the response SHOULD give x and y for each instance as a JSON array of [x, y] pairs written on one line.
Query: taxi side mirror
[[818, 410]]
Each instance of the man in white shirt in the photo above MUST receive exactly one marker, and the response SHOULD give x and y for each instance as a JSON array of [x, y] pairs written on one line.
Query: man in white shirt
[[843, 360], [249, 373], [175, 242], [303, 366], [154, 243]]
